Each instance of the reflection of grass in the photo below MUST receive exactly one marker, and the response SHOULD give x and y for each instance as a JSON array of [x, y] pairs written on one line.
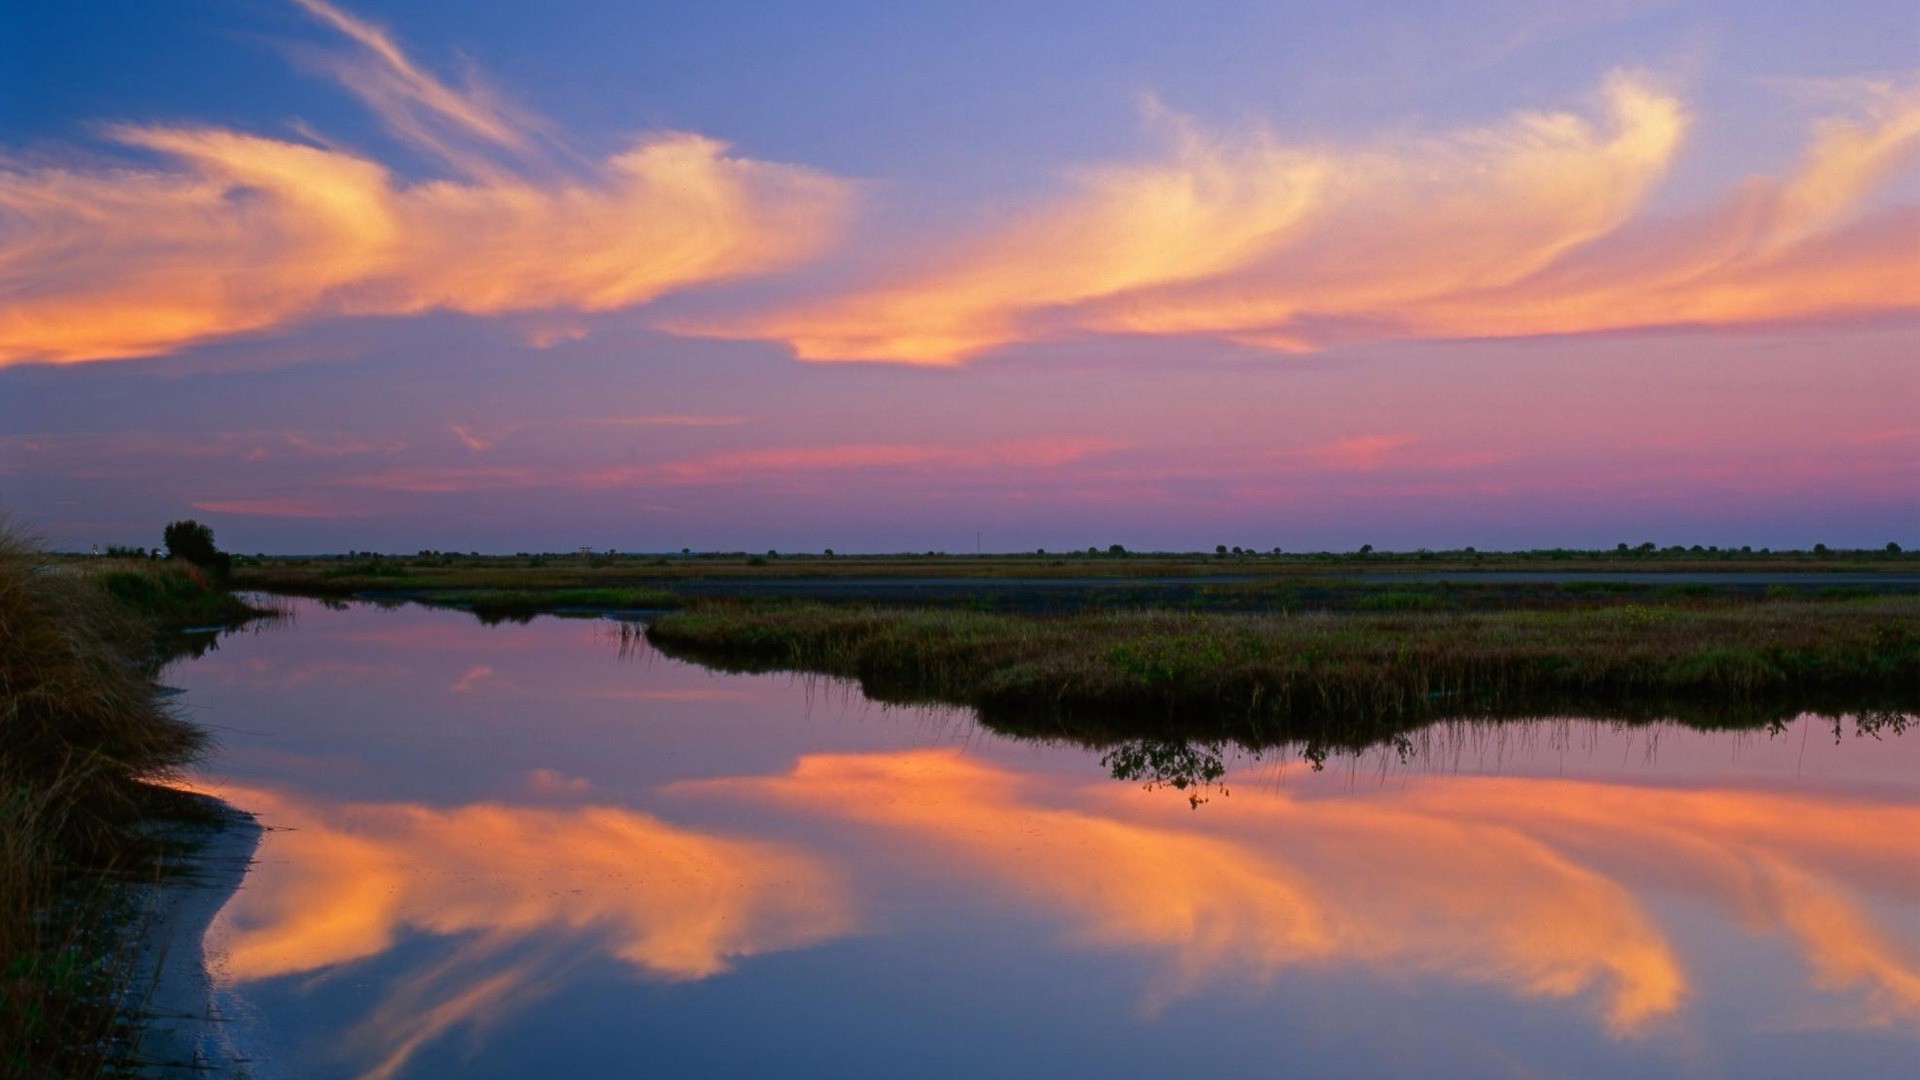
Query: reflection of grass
[[81, 728], [493, 605], [1339, 680]]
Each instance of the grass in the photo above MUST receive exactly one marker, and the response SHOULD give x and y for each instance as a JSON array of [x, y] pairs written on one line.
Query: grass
[[347, 575], [83, 733], [521, 586], [172, 595], [1343, 681]]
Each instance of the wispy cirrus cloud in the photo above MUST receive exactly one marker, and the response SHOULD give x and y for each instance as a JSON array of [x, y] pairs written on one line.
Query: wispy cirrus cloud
[[1006, 455], [1537, 225], [666, 420], [231, 232], [300, 508]]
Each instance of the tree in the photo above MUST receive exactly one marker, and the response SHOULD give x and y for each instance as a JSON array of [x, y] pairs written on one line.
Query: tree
[[189, 541], [1893, 548], [1219, 549]]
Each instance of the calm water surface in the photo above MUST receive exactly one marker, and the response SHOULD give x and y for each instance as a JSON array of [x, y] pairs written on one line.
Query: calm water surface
[[524, 851]]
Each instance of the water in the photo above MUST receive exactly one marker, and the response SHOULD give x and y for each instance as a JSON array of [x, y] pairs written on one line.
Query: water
[[524, 851]]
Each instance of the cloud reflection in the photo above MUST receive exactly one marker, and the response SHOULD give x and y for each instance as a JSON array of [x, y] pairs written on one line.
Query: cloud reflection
[[521, 889], [1546, 888], [348, 879]]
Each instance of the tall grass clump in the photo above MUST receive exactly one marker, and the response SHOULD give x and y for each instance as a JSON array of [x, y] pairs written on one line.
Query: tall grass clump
[[1336, 679], [82, 730]]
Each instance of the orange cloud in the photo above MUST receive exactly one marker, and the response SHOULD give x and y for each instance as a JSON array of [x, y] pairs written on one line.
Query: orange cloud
[[1806, 867], [1360, 452], [232, 232], [1530, 884], [1534, 226], [1392, 891], [999, 456], [278, 508], [345, 881]]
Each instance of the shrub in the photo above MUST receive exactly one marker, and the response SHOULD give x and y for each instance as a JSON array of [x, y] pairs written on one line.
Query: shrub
[[190, 541]]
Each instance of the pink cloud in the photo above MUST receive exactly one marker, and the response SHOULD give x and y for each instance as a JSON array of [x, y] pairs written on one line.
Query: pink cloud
[[234, 233], [1536, 225], [1012, 454], [279, 508], [1360, 452]]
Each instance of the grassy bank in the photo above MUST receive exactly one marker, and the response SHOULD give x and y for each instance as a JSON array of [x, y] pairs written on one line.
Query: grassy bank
[[1339, 681], [83, 733], [171, 595]]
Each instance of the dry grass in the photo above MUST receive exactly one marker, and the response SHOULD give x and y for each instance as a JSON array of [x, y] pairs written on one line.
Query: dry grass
[[81, 731]]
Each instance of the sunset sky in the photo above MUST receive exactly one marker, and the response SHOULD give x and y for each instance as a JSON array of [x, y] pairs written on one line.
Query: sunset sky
[[881, 276]]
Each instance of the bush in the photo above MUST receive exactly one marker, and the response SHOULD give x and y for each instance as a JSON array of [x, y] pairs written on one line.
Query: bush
[[190, 541]]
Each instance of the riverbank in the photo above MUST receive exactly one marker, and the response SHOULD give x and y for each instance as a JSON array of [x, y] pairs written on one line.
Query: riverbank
[[1343, 681], [86, 744], [180, 1032]]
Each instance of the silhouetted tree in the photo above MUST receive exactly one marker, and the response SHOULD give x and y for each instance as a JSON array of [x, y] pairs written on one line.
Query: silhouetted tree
[[190, 541]]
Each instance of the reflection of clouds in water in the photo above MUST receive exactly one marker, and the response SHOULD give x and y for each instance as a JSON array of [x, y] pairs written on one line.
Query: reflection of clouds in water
[[345, 881], [1809, 867], [265, 674], [476, 675], [690, 694], [1540, 888], [1528, 884]]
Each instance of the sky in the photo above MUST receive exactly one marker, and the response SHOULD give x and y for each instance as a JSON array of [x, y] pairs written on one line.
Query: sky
[[883, 277]]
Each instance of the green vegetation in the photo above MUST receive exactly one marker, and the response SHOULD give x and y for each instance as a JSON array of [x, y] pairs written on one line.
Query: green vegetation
[[1341, 681], [84, 735], [172, 595], [82, 732], [1232, 580], [355, 572], [191, 542]]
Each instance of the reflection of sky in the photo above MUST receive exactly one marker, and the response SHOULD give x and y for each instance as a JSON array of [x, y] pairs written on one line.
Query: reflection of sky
[[459, 275], [511, 849]]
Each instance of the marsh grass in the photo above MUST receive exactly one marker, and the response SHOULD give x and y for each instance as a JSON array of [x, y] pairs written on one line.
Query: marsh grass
[[171, 594], [348, 575], [1336, 680], [82, 735]]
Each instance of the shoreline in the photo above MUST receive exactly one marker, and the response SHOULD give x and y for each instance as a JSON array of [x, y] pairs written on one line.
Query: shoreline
[[180, 1031]]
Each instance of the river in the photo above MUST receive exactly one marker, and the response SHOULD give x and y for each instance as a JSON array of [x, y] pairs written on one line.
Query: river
[[544, 850]]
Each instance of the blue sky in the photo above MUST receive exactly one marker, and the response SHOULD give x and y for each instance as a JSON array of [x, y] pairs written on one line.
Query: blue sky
[[1148, 273]]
